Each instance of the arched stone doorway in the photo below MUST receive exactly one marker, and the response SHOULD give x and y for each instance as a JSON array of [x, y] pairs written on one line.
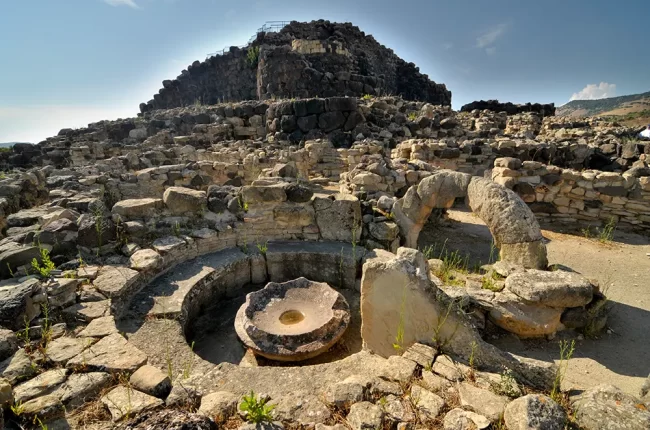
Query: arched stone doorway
[[513, 225]]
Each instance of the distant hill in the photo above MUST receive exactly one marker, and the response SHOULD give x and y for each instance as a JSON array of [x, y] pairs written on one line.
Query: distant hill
[[630, 110], [9, 144]]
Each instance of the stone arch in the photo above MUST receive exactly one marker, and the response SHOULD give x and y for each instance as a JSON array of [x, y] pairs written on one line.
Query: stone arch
[[513, 225]]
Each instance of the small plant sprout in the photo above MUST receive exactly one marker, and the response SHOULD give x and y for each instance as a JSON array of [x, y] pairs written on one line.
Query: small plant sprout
[[98, 214], [399, 337], [412, 116], [187, 369], [24, 334], [367, 97], [263, 247], [472, 355], [17, 408], [606, 235], [40, 423], [566, 352], [441, 320], [507, 385], [45, 269], [256, 409], [177, 229], [243, 204]]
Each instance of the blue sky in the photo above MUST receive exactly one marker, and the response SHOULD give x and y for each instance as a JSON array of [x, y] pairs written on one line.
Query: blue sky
[[65, 63]]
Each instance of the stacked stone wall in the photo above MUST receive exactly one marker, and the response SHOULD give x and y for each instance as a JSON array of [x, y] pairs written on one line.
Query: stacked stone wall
[[585, 198], [510, 108]]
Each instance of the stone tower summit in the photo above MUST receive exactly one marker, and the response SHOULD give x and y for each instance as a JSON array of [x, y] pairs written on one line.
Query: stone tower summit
[[299, 60]]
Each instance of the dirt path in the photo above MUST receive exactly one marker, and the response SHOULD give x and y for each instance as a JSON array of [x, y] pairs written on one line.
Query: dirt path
[[621, 356]]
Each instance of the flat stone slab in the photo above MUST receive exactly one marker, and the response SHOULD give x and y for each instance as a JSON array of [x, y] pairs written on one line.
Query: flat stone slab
[[169, 291], [509, 312], [60, 350], [39, 386], [125, 402], [111, 354], [45, 407], [100, 327], [557, 289], [88, 311], [137, 208], [482, 401], [116, 281], [82, 387], [167, 244], [314, 379], [17, 366]]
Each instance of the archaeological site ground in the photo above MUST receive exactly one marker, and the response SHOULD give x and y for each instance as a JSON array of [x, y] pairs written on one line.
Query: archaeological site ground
[[302, 234]]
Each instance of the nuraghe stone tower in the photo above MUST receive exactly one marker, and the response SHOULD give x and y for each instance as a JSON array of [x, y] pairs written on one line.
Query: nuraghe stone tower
[[301, 60]]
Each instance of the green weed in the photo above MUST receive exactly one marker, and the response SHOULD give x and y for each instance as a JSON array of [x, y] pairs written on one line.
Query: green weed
[[488, 282], [17, 408], [607, 233], [566, 352], [187, 369], [507, 385], [263, 247], [399, 337], [44, 270], [256, 409], [253, 56]]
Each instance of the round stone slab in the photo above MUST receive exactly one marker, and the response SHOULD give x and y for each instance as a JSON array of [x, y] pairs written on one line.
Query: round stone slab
[[292, 321]]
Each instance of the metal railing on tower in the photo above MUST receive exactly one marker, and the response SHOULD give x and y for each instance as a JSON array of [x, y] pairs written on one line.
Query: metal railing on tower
[[268, 27]]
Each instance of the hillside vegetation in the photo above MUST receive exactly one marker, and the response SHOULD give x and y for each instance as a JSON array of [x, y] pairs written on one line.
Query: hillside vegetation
[[632, 110]]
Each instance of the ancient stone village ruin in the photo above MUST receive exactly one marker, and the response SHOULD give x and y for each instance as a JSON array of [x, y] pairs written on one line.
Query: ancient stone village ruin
[[249, 252]]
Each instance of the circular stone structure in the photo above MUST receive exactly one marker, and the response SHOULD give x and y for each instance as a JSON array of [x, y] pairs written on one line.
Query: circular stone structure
[[292, 321]]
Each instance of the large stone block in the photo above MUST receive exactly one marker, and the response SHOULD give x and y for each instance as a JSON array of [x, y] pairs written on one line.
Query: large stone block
[[338, 217], [558, 289], [397, 296], [180, 200], [137, 208]]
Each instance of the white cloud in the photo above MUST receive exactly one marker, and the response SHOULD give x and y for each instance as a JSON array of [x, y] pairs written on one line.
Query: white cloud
[[447, 46], [130, 3], [486, 40], [35, 123], [595, 91], [491, 50]]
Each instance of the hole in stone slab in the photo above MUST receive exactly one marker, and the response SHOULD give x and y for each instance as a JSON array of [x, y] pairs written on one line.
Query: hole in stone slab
[[291, 317]]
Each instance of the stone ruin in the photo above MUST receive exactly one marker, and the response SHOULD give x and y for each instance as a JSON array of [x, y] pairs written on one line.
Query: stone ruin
[[157, 269], [301, 60]]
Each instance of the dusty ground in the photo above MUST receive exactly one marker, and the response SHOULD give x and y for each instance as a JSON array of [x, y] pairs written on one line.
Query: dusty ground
[[621, 356]]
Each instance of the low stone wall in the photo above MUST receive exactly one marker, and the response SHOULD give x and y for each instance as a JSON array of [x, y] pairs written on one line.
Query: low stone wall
[[510, 108], [584, 198]]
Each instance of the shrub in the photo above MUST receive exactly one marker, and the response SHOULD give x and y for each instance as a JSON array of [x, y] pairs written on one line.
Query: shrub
[[253, 56]]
